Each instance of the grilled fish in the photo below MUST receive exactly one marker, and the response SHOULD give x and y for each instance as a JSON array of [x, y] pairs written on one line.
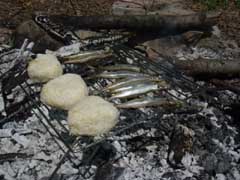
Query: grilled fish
[[121, 67], [127, 81], [87, 56], [134, 86], [120, 74], [150, 102], [138, 90]]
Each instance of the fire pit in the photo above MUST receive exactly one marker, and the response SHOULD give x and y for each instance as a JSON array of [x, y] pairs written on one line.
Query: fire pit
[[195, 141]]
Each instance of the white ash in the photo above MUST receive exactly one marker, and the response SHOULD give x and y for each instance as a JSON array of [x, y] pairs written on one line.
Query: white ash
[[228, 148], [130, 61], [22, 140], [190, 162], [211, 48], [144, 167], [180, 94], [6, 133], [209, 111], [216, 31], [139, 165], [66, 50], [35, 142], [1, 101]]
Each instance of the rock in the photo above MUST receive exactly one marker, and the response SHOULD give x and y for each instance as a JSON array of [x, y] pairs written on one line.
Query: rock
[[29, 29], [181, 143]]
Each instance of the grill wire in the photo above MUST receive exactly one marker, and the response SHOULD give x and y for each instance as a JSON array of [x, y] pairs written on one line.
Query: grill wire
[[54, 120]]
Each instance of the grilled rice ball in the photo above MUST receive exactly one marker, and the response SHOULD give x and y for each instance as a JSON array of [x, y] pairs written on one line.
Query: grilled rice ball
[[44, 68], [64, 91], [92, 116]]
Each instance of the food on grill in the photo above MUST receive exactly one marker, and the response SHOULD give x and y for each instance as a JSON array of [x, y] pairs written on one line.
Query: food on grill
[[138, 90], [123, 67], [88, 56], [44, 68], [64, 91], [130, 81], [120, 74], [135, 85], [92, 116], [150, 102]]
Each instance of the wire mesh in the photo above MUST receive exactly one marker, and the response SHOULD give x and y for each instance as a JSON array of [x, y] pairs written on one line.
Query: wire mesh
[[135, 124]]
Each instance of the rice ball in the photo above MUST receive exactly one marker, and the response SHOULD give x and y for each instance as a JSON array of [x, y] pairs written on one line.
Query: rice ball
[[44, 68], [64, 91], [92, 116]]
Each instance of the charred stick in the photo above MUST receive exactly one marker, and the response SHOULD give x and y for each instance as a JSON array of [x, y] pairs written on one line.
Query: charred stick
[[204, 69], [227, 85], [140, 22], [14, 156]]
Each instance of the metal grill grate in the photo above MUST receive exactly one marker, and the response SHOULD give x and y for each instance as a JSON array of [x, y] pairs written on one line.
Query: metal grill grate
[[136, 124]]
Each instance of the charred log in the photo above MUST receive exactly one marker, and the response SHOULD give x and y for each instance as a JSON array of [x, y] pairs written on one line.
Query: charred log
[[205, 69], [232, 85], [167, 23]]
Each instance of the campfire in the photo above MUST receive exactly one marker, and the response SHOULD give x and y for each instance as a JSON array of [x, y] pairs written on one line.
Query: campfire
[[171, 125]]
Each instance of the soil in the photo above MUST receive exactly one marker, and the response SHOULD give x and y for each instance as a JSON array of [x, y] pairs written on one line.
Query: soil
[[17, 11], [229, 21]]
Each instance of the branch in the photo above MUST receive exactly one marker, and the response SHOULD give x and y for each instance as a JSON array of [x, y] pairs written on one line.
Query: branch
[[173, 23]]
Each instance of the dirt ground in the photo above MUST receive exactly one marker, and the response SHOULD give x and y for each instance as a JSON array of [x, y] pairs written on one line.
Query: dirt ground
[[229, 21], [16, 11], [13, 12]]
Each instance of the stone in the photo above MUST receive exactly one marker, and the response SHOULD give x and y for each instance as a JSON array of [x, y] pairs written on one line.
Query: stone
[[29, 29]]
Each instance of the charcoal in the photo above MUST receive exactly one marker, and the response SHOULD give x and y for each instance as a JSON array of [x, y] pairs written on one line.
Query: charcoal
[[15, 99], [209, 162], [13, 156], [56, 177], [109, 172], [170, 176], [99, 154], [190, 178], [181, 143], [223, 166]]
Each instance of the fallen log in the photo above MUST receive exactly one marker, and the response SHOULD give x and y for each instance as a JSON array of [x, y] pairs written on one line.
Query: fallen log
[[232, 85], [167, 23], [205, 69]]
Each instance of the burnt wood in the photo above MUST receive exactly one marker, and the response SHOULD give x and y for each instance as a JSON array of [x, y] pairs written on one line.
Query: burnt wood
[[168, 23], [203, 68]]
